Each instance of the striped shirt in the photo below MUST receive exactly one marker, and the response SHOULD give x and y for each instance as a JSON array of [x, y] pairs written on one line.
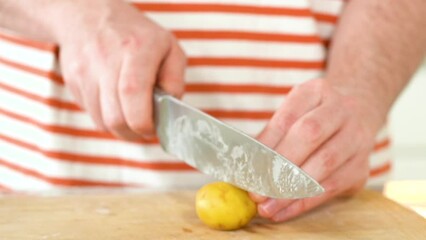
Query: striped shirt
[[244, 56]]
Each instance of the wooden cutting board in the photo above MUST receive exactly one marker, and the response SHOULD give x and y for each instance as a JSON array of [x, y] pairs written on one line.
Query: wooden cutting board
[[170, 215]]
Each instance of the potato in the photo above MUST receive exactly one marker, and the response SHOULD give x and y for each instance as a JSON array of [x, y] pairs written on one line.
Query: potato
[[223, 206]]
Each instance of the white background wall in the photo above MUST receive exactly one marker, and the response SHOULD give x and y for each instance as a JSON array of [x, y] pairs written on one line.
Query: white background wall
[[408, 129]]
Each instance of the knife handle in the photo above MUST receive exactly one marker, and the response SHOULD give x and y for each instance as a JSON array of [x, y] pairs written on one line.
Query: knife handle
[[159, 96]]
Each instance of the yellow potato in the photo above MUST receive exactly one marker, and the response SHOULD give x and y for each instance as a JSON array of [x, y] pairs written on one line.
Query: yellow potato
[[223, 206]]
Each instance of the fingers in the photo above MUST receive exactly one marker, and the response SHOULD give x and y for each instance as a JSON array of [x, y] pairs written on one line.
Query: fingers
[[135, 90], [92, 104], [139, 74], [112, 111], [120, 56], [304, 106], [270, 207], [322, 136], [171, 75], [75, 78], [335, 152], [300, 206], [312, 130], [349, 177], [301, 100], [117, 92]]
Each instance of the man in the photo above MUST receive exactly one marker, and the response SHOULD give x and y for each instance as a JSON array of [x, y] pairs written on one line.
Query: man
[[243, 57]]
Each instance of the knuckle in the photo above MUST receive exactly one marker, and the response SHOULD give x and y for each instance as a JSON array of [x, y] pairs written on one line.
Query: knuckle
[[152, 38], [129, 86], [284, 121], [114, 122], [132, 41], [311, 130], [328, 159]]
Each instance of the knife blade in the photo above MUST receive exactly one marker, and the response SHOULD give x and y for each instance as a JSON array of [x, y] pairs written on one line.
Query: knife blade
[[226, 153]]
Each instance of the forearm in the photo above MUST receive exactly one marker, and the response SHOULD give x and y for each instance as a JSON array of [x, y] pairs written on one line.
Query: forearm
[[28, 18], [51, 20], [378, 45]]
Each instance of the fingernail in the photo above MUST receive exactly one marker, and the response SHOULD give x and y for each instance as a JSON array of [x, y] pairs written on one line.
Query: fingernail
[[257, 198], [268, 208]]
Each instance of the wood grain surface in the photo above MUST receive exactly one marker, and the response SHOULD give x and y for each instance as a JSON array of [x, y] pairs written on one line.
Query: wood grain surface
[[171, 215]]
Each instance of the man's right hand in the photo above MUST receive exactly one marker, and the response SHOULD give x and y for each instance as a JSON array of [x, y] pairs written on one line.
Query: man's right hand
[[111, 57]]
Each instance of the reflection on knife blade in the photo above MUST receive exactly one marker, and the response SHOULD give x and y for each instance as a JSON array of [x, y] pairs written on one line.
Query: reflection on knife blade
[[228, 154]]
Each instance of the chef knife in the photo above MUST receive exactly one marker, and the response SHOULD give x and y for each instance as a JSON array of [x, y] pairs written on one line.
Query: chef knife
[[226, 153]]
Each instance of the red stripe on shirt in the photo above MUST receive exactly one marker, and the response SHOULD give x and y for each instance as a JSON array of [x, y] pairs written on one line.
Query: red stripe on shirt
[[263, 115], [193, 34], [236, 88], [381, 170], [47, 74], [235, 62], [328, 18], [381, 145], [89, 159], [223, 8], [236, 35], [60, 181], [235, 114], [327, 43], [91, 133], [225, 114], [48, 47], [249, 62], [70, 130], [47, 101]]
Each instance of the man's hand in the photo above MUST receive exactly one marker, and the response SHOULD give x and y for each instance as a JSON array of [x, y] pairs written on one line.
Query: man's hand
[[327, 126], [112, 56], [328, 134]]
